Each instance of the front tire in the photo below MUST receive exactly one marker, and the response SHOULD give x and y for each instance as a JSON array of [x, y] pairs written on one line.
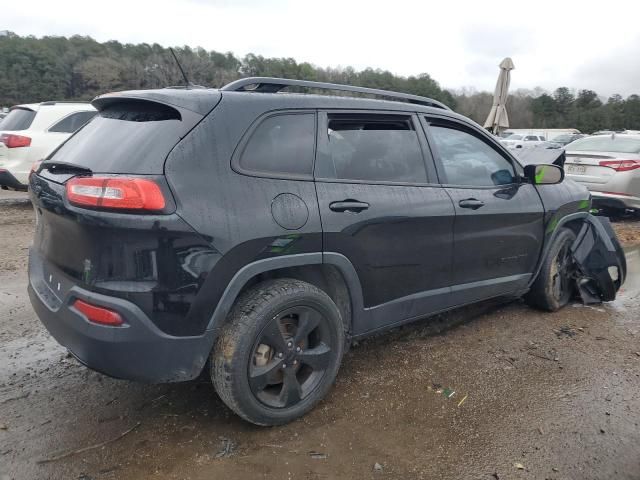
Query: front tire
[[555, 285], [280, 352]]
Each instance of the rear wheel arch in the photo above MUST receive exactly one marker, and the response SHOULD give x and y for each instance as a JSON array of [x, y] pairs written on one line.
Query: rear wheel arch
[[336, 276]]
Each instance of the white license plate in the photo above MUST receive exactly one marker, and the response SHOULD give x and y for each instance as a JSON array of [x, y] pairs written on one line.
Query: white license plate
[[576, 169]]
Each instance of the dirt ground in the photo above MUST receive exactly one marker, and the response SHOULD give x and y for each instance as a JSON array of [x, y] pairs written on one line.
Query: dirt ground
[[628, 230], [497, 391]]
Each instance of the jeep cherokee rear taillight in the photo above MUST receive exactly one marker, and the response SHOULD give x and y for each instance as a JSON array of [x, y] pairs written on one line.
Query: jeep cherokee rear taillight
[[125, 193]]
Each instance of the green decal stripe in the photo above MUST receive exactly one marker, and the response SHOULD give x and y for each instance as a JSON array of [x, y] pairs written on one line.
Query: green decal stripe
[[552, 225]]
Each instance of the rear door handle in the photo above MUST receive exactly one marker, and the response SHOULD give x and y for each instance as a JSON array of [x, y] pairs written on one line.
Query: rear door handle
[[348, 206], [472, 203]]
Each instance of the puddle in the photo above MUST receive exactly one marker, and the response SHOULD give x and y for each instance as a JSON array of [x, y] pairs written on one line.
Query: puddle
[[631, 288], [626, 302]]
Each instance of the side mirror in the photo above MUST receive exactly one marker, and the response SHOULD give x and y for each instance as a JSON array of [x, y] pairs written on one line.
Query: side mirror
[[544, 174]]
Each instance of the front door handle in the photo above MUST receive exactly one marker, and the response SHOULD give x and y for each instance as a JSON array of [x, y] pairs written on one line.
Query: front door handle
[[353, 206], [472, 203]]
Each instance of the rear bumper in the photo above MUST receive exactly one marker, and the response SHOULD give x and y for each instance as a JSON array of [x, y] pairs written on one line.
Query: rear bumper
[[7, 179], [615, 200], [137, 350]]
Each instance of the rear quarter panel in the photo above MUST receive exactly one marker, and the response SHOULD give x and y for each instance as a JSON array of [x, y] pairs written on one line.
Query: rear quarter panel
[[233, 212]]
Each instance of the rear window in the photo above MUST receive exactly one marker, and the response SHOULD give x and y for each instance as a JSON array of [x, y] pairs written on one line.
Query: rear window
[[73, 122], [17, 119], [606, 143], [125, 137]]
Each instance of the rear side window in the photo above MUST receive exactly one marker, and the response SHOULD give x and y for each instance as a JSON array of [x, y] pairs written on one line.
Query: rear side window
[[17, 119], [372, 147], [73, 122], [132, 136], [468, 161], [281, 145]]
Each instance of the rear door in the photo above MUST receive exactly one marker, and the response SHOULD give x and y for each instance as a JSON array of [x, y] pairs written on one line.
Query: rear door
[[381, 208], [498, 227]]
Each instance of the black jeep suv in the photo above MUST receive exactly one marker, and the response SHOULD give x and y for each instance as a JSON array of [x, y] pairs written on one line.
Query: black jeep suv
[[264, 230]]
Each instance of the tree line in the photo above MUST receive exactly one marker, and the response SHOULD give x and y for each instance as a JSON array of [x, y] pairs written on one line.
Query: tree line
[[79, 68], [563, 108]]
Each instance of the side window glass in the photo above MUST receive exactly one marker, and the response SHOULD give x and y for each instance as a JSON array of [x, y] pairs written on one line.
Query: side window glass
[[73, 122], [469, 161], [281, 144], [373, 147]]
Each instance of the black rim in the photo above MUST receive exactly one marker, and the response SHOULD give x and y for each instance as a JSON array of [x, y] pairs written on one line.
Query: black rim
[[562, 269], [290, 357]]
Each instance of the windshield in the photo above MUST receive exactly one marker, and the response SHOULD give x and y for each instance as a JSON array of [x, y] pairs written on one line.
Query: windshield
[[561, 138], [515, 136], [17, 119], [605, 143]]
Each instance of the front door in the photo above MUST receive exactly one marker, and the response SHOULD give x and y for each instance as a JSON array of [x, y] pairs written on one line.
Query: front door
[[381, 208], [498, 228]]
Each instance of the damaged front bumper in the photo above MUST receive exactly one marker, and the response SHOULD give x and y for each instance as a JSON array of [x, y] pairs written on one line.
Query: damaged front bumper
[[601, 267]]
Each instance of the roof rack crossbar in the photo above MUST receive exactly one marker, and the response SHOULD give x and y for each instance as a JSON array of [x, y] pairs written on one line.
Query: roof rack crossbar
[[274, 85]]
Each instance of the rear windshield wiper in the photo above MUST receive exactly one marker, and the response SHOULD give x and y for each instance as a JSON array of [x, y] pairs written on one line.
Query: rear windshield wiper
[[64, 167]]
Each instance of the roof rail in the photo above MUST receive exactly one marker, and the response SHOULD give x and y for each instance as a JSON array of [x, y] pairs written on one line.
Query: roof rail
[[274, 85]]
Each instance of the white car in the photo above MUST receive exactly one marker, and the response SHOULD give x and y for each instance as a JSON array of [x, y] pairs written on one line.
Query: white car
[[609, 166], [32, 131], [519, 140]]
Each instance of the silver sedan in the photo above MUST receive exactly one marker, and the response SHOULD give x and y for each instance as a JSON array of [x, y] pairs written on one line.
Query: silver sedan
[[609, 166]]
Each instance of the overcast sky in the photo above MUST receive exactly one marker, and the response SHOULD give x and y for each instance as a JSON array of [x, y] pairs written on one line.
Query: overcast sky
[[559, 43]]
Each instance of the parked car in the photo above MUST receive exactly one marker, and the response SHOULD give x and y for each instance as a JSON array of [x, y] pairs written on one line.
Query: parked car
[[30, 132], [264, 232], [518, 140], [609, 166], [550, 134], [566, 139]]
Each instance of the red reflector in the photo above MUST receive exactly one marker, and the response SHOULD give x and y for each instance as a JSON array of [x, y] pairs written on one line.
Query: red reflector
[[99, 315], [621, 165], [115, 192], [15, 141]]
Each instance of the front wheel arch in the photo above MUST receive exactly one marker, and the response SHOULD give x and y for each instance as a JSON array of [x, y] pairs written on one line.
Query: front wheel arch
[[573, 222]]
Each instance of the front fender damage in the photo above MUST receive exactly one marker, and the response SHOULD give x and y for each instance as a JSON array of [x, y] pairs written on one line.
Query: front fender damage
[[600, 265]]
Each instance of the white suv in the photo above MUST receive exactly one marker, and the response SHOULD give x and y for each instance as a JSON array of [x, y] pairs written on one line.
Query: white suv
[[30, 132], [517, 140]]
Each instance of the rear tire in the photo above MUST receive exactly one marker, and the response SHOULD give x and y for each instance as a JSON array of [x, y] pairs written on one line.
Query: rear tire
[[279, 353], [554, 287]]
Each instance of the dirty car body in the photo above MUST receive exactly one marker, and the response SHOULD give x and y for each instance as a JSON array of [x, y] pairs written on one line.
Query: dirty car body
[[171, 206]]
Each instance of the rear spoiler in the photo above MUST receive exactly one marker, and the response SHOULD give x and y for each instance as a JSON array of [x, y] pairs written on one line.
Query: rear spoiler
[[197, 100]]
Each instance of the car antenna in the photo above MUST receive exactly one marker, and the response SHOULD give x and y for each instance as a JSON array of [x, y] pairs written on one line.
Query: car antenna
[[184, 75]]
